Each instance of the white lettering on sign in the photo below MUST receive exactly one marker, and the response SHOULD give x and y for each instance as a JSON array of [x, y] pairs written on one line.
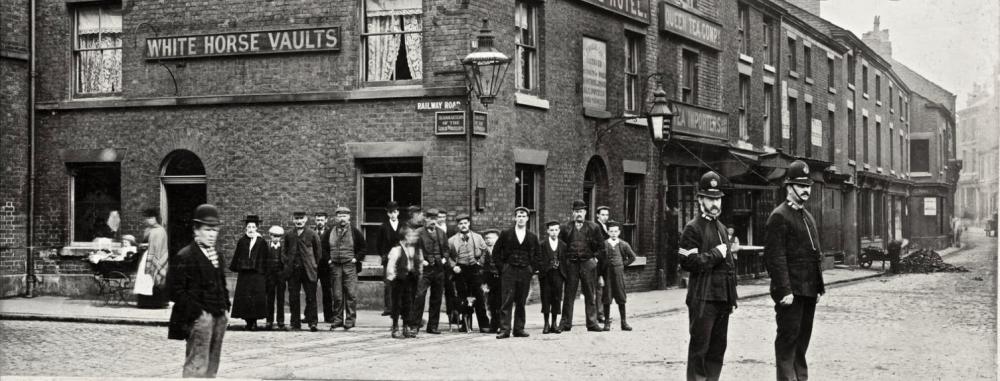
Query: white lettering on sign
[[226, 44], [686, 24], [595, 83], [438, 105]]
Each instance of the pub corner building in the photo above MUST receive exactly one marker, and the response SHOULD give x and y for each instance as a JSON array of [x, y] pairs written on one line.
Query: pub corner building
[[305, 106]]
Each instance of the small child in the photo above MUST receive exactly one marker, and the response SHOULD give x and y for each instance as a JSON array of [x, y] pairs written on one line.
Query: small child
[[405, 262], [618, 255], [550, 277]]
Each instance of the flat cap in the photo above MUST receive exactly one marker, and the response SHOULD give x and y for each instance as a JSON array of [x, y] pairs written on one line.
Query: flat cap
[[342, 210], [463, 216]]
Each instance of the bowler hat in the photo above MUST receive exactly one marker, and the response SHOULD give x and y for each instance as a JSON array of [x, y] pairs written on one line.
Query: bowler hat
[[463, 216], [798, 173], [252, 218], [522, 209], [579, 204], [342, 210], [708, 186], [206, 214], [391, 206]]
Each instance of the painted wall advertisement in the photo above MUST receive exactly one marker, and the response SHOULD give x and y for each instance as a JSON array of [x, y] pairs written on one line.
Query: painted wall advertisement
[[930, 206], [817, 132], [595, 81]]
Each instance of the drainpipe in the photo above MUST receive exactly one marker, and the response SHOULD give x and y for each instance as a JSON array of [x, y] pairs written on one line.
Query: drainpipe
[[30, 279]]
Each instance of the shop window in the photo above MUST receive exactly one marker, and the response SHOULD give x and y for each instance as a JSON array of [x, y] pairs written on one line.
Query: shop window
[[384, 180], [744, 107], [96, 199], [768, 106], [527, 191], [920, 155], [633, 201], [97, 49], [393, 40], [633, 44], [689, 82], [526, 40]]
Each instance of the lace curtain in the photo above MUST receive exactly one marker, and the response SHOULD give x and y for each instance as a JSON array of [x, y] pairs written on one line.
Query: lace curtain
[[100, 70], [384, 16]]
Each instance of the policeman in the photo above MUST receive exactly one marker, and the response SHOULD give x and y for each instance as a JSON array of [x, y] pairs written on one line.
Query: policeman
[[793, 258], [705, 252]]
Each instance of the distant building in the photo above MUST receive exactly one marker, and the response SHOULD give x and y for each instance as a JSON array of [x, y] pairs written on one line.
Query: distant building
[[978, 143]]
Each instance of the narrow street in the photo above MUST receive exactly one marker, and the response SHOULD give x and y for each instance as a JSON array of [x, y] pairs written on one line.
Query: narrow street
[[904, 327]]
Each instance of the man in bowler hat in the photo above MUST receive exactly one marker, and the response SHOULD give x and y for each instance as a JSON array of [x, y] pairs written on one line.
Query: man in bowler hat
[[585, 245], [705, 253], [197, 286], [794, 261], [388, 237], [303, 250]]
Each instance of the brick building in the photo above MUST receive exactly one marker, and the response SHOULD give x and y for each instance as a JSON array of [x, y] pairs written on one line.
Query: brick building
[[979, 149], [14, 138]]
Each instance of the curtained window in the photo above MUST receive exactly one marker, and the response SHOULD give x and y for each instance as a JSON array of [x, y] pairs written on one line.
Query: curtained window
[[632, 42], [526, 40], [97, 49], [392, 40]]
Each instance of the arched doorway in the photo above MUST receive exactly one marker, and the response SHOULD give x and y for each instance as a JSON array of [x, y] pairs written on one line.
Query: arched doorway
[[182, 189], [595, 185]]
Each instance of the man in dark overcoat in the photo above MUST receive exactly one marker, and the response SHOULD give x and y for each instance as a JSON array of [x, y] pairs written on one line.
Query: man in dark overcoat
[[197, 285], [388, 237], [304, 251], [584, 245], [491, 279], [704, 251], [601, 217], [794, 261], [323, 269]]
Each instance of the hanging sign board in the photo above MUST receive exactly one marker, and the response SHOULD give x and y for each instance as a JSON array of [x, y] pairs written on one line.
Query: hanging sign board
[[479, 123], [595, 69]]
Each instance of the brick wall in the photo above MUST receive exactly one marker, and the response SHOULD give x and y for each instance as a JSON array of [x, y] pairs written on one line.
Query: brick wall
[[14, 83]]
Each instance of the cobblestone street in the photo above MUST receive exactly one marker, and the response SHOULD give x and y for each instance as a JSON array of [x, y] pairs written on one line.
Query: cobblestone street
[[903, 327]]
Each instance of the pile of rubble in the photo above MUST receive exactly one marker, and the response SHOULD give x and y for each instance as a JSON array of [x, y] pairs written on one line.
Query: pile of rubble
[[927, 261]]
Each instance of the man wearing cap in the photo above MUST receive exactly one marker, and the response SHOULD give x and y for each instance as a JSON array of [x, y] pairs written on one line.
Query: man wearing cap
[[434, 247], [704, 251], [388, 237], [276, 269], [551, 254], [303, 250], [415, 215], [516, 250], [584, 244], [197, 285], [794, 261], [323, 269], [466, 250], [345, 247], [491, 280], [602, 218], [157, 258]]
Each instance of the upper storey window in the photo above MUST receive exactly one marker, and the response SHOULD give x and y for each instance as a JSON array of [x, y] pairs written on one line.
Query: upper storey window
[[393, 40], [97, 49]]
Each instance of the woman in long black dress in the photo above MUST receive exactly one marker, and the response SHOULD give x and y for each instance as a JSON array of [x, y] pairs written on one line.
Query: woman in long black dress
[[250, 301]]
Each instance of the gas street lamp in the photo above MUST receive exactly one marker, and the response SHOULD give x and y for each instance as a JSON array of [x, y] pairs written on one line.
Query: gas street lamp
[[660, 118], [485, 69]]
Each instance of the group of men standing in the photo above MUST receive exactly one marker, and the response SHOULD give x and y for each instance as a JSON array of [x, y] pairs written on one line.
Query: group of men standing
[[793, 259]]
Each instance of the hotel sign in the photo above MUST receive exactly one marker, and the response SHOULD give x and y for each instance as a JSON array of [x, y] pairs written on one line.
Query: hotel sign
[[697, 121], [244, 43], [633, 9], [694, 27]]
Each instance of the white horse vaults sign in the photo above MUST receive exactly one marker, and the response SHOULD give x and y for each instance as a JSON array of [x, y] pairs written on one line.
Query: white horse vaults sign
[[244, 43]]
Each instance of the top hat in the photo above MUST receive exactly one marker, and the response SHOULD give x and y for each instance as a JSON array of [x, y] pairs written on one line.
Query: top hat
[[798, 174], [708, 186], [206, 214], [579, 204]]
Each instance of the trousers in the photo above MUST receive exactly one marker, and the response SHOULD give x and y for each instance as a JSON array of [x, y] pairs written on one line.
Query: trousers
[[323, 272], [516, 282], [204, 346], [403, 289], [345, 293], [432, 279], [468, 284], [709, 326], [580, 274], [795, 324], [550, 286], [297, 283], [275, 288]]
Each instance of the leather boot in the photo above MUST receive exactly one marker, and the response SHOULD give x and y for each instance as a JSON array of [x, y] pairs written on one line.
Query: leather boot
[[395, 331], [555, 325], [621, 312], [546, 329], [607, 318]]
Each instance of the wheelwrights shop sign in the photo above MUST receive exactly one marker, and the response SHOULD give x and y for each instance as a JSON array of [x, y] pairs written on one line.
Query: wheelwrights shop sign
[[244, 43]]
